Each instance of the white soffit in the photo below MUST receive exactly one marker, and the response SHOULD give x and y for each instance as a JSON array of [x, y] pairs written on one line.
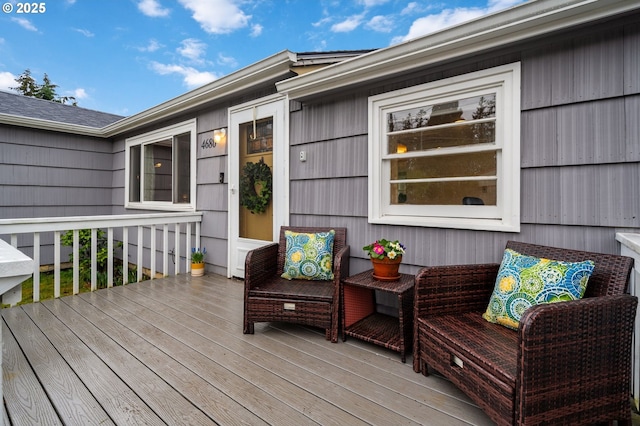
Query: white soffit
[[518, 23]]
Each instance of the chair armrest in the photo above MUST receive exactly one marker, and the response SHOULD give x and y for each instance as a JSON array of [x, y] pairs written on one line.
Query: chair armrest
[[578, 349], [341, 264], [260, 264], [454, 289]]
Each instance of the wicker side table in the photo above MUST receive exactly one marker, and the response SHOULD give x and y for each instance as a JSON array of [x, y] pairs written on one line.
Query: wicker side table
[[360, 319]]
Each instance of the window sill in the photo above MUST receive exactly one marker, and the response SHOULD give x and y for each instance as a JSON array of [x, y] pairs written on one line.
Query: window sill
[[445, 222]]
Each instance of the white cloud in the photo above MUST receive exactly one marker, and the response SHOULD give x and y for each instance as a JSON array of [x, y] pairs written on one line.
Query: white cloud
[[322, 22], [381, 24], [152, 46], [432, 23], [450, 17], [84, 32], [80, 93], [227, 61], [25, 23], [190, 76], [153, 8], [217, 16], [415, 7], [347, 25], [371, 3], [256, 30], [7, 80], [192, 49]]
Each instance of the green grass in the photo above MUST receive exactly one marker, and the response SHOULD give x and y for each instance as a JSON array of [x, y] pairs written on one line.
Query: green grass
[[47, 286], [66, 284]]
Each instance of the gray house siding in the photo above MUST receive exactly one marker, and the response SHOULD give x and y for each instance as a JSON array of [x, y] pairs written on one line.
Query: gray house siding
[[580, 150], [49, 174]]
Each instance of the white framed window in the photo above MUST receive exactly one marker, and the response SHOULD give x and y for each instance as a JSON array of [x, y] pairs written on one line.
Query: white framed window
[[160, 168], [447, 153]]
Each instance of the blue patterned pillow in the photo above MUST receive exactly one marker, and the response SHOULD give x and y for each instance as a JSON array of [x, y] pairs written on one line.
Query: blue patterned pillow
[[524, 281], [309, 256]]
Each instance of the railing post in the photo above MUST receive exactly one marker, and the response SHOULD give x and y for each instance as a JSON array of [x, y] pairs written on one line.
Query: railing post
[[94, 259], [630, 246], [110, 257], [139, 262], [188, 245], [56, 264], [36, 266], [165, 250], [125, 255], [76, 261], [15, 267], [153, 253], [176, 245]]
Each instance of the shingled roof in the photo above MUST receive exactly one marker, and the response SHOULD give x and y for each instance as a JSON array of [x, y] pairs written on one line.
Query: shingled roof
[[25, 106]]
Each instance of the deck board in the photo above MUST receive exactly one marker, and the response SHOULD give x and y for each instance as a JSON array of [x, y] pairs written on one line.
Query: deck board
[[171, 351]]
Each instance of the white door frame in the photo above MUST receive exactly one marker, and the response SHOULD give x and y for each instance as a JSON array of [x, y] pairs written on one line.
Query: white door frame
[[275, 106]]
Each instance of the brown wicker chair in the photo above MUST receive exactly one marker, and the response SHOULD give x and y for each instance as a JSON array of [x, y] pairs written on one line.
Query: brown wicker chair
[[568, 362], [268, 297]]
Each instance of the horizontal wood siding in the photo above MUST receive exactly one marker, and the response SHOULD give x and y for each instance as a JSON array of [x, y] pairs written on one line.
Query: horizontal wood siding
[[580, 150], [48, 174]]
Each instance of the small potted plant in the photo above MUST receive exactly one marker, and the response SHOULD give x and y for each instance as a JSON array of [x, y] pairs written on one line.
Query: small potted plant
[[386, 257], [197, 261]]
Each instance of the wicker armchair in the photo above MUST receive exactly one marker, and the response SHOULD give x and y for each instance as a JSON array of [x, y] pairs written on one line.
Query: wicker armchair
[[568, 362], [269, 297]]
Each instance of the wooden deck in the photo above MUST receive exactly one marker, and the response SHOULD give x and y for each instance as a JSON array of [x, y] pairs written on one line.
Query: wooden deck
[[171, 351]]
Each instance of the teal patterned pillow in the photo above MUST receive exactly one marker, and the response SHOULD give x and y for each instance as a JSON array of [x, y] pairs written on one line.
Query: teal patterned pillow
[[524, 281], [309, 256]]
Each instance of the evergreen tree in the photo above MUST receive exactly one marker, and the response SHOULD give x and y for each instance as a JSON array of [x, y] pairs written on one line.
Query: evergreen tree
[[28, 86]]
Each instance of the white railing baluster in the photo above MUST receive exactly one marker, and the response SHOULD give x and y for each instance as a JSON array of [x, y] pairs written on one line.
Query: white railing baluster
[[56, 264], [188, 246], [94, 259], [125, 255], [36, 266], [153, 252], [177, 248], [76, 261], [139, 262], [165, 250], [198, 234], [109, 257], [14, 240]]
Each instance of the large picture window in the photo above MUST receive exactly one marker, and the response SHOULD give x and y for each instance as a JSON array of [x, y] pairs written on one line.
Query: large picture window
[[447, 154], [161, 169]]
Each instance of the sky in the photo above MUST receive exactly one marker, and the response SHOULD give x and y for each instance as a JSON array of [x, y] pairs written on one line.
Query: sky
[[126, 56]]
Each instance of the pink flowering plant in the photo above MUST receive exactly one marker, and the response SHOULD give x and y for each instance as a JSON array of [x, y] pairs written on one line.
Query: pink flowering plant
[[385, 248]]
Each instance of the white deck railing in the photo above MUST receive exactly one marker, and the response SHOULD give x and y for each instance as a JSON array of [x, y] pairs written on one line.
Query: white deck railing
[[118, 229], [630, 246]]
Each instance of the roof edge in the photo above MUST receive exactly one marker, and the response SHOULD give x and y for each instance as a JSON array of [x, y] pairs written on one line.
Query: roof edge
[[57, 126], [501, 28]]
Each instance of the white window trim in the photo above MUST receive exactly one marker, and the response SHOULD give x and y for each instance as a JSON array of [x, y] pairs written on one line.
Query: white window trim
[[505, 216], [189, 126]]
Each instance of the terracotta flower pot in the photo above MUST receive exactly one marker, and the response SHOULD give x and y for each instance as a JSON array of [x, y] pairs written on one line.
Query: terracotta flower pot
[[386, 269], [197, 269]]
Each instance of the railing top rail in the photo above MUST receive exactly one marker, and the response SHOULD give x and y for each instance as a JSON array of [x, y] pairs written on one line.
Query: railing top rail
[[47, 224]]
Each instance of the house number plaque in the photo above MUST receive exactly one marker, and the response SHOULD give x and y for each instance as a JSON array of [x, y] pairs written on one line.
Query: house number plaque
[[212, 143]]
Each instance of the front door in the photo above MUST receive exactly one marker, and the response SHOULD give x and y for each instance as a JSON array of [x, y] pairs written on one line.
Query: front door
[[257, 178]]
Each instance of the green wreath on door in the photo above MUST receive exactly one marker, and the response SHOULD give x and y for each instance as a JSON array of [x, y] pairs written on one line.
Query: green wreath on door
[[256, 175]]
